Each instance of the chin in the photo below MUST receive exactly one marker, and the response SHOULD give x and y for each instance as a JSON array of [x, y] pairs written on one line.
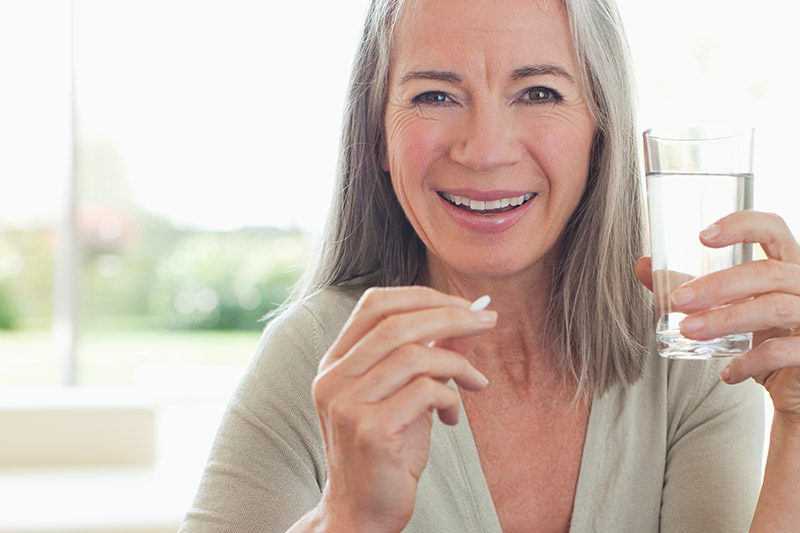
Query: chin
[[489, 266]]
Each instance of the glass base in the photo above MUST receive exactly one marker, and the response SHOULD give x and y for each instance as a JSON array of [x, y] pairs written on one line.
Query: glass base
[[672, 345]]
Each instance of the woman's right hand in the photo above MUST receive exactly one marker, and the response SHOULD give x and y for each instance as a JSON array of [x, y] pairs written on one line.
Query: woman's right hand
[[375, 394]]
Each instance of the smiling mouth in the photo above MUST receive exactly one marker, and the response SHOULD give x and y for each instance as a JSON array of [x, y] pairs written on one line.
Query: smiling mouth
[[489, 207]]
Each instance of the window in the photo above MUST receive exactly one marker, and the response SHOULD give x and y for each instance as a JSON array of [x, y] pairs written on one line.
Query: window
[[203, 158], [202, 136]]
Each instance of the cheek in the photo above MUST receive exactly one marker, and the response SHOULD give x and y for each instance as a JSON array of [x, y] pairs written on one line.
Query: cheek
[[413, 145], [566, 154]]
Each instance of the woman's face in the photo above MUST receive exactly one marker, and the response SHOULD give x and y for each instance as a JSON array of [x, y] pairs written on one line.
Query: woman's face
[[488, 135]]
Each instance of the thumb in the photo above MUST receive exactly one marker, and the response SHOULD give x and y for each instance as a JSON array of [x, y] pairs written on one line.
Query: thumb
[[644, 272]]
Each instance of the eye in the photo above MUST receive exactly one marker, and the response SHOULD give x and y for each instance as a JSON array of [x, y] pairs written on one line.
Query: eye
[[433, 98], [540, 94]]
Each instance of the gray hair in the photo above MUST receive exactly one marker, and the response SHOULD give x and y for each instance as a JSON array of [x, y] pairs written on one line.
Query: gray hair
[[599, 317]]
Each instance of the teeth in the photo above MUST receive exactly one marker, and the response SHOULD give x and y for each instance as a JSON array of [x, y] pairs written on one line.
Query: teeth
[[478, 205]]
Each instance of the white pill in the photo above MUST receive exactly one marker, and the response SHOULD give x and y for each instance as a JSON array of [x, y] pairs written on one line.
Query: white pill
[[480, 304]]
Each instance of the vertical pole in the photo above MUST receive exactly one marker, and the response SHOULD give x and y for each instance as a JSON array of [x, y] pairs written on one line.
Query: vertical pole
[[66, 243]]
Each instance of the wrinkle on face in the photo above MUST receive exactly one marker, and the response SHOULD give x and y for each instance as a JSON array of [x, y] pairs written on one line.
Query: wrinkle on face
[[485, 61]]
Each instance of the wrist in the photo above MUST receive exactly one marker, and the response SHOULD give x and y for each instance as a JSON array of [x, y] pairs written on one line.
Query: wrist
[[788, 421], [338, 517], [786, 429]]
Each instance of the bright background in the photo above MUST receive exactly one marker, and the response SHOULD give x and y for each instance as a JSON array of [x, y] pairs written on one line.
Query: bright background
[[205, 141]]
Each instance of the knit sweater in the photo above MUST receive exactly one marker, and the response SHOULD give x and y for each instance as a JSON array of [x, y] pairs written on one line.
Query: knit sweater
[[679, 450]]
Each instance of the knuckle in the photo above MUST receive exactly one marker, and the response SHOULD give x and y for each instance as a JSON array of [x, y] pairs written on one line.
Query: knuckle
[[319, 389], [412, 355], [341, 412], [724, 318], [773, 351], [431, 388], [389, 328], [365, 429], [776, 219], [454, 314], [783, 306], [775, 270], [371, 298]]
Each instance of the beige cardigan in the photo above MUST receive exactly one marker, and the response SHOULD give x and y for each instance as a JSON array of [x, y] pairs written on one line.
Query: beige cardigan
[[678, 451]]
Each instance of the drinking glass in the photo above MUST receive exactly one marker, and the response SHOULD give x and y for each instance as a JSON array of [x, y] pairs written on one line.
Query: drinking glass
[[696, 174]]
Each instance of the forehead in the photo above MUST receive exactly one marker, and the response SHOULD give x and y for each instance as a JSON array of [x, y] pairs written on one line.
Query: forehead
[[482, 34]]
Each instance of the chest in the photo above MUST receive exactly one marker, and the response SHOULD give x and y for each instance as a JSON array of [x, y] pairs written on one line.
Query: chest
[[531, 456]]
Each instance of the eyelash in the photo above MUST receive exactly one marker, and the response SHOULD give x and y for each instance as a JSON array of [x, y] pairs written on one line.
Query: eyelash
[[551, 96], [422, 99]]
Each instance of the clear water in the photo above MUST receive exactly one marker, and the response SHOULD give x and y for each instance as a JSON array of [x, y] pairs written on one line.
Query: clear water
[[682, 205]]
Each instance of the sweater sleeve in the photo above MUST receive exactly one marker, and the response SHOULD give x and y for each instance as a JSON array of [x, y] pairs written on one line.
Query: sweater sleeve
[[266, 467], [715, 439]]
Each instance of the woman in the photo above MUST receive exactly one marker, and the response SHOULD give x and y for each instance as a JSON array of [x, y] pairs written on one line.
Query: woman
[[489, 148]]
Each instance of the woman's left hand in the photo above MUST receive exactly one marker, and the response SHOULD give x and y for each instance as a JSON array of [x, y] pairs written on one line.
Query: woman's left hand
[[760, 296]]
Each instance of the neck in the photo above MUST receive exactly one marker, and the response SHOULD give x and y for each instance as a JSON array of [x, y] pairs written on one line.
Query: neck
[[515, 352]]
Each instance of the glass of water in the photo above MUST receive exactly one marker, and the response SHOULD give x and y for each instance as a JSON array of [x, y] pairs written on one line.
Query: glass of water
[[696, 174]]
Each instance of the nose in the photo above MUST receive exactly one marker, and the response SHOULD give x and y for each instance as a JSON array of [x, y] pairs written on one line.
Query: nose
[[487, 141]]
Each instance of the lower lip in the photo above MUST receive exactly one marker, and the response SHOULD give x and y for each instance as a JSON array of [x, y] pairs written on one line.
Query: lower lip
[[486, 223]]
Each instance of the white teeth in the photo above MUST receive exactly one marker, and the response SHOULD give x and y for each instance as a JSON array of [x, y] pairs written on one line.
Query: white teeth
[[480, 205]]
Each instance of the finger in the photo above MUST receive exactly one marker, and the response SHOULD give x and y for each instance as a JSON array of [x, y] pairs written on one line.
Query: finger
[[418, 397], [771, 355], [377, 304], [412, 361], [735, 283], [416, 327], [767, 229], [774, 310], [644, 272], [664, 283]]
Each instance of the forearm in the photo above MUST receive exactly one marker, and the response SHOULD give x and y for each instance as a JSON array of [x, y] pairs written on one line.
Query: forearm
[[777, 508]]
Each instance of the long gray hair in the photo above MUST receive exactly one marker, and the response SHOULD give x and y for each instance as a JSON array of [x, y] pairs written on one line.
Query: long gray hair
[[599, 317]]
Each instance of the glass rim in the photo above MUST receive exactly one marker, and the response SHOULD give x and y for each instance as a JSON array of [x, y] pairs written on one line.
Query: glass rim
[[699, 131]]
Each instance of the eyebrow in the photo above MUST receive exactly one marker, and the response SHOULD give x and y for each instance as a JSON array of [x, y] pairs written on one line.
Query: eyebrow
[[440, 75], [518, 74], [539, 70]]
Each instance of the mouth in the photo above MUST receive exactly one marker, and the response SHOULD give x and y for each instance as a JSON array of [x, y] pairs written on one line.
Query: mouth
[[487, 207]]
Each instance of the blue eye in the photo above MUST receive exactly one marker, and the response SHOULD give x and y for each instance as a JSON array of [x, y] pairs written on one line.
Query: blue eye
[[541, 94], [433, 98]]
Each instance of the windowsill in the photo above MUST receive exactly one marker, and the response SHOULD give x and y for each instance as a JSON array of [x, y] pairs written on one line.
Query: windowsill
[[133, 497]]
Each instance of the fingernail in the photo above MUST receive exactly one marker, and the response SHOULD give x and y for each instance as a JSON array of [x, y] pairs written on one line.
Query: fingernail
[[486, 316], [725, 375], [483, 379], [682, 296], [710, 232], [691, 324]]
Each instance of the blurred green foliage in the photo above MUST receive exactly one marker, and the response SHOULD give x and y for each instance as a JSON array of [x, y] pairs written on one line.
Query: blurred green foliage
[[140, 272], [8, 315]]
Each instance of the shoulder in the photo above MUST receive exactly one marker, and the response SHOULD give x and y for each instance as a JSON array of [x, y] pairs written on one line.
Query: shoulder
[[308, 327]]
